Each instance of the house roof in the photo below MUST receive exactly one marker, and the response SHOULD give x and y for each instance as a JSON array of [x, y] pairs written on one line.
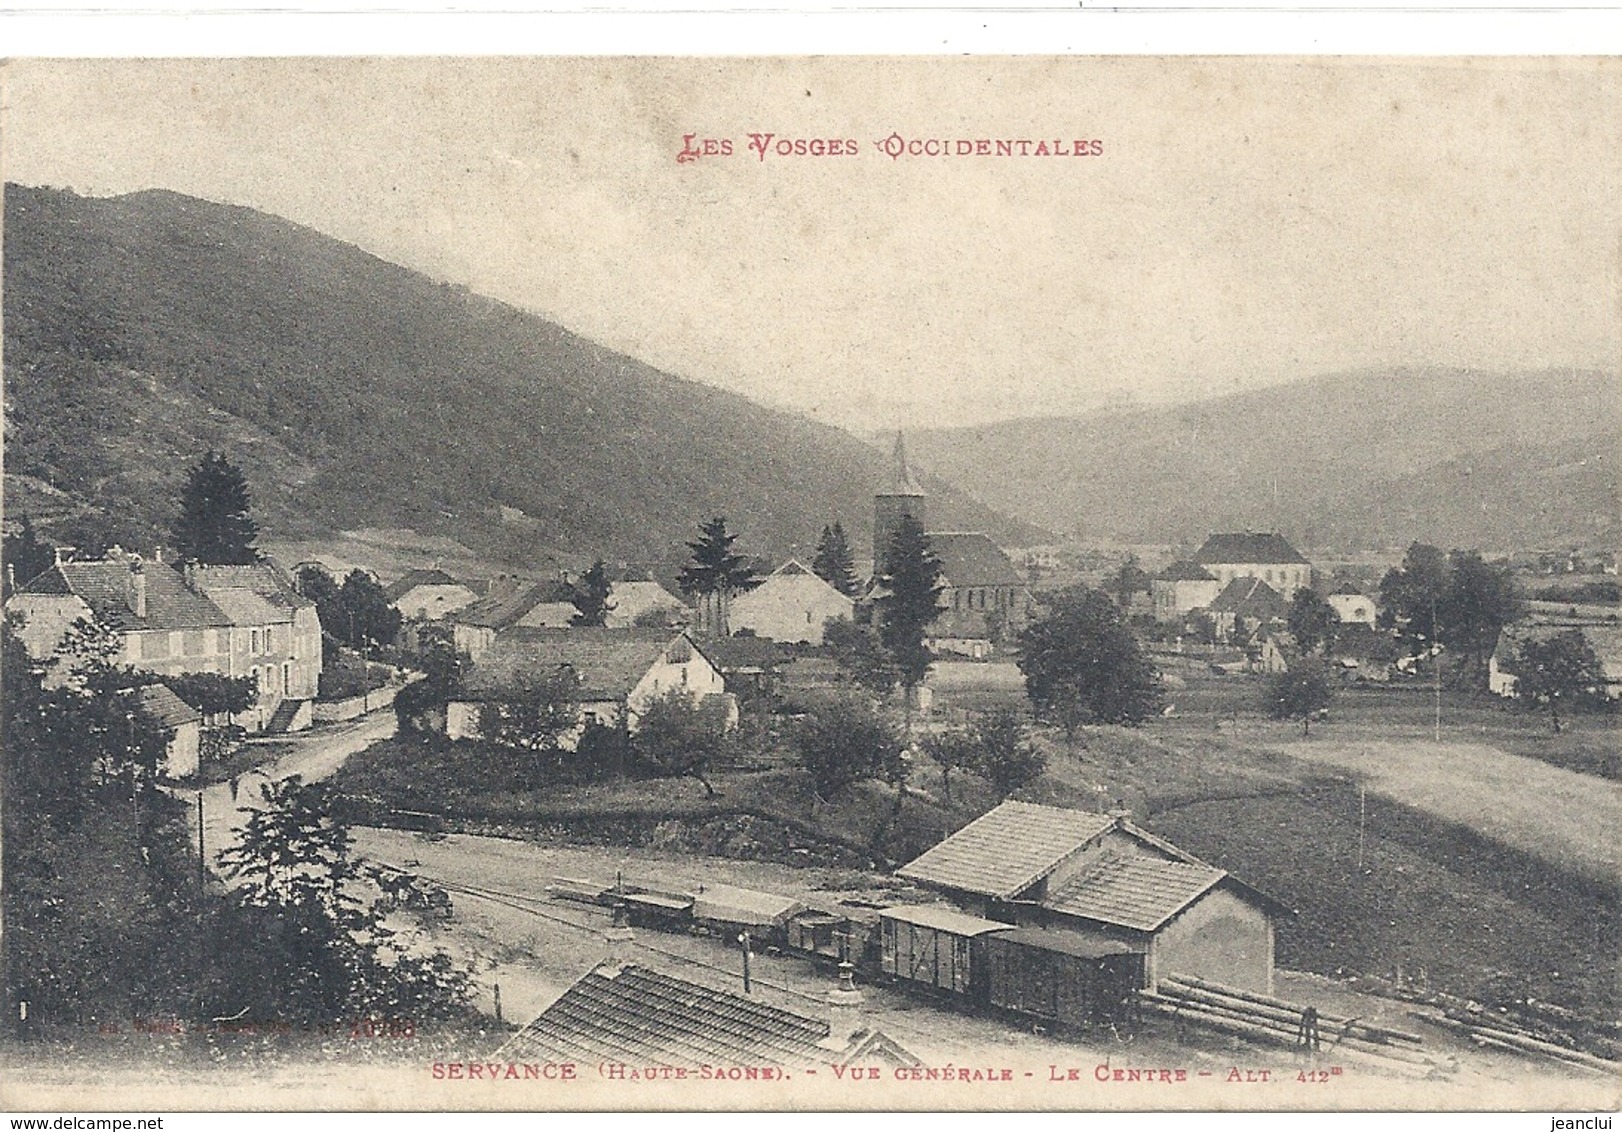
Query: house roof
[[1185, 571], [1248, 548], [636, 1015], [244, 607], [1250, 597], [1134, 891], [1005, 851], [942, 919], [608, 662], [1605, 640], [1347, 589], [402, 586], [168, 709], [500, 610], [740, 654], [103, 586], [265, 579], [972, 559]]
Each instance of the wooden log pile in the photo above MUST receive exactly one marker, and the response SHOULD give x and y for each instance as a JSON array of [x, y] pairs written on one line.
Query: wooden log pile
[[1274, 1021], [1500, 1034]]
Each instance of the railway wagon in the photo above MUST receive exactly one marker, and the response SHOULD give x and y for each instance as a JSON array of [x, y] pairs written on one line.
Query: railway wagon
[[728, 910], [931, 946], [837, 935], [1060, 977]]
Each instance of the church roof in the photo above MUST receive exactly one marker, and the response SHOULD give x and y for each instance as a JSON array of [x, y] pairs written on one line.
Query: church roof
[[898, 479], [972, 559], [1248, 548]]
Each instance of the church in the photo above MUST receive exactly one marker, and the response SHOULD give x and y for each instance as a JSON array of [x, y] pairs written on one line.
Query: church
[[985, 600]]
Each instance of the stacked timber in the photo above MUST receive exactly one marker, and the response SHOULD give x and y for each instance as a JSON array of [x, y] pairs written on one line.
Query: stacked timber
[[1274, 1021], [1504, 1035]]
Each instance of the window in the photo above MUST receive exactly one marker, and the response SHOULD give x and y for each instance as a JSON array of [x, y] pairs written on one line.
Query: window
[[287, 678], [253, 641], [270, 637]]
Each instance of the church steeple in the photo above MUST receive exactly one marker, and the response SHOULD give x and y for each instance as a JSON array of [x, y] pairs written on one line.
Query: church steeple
[[898, 494]]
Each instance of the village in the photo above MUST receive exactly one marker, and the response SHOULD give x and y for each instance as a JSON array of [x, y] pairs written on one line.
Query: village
[[702, 814]]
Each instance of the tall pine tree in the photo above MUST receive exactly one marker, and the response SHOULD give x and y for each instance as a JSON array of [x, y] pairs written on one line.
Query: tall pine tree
[[834, 563], [910, 600], [214, 526], [714, 574], [591, 600]]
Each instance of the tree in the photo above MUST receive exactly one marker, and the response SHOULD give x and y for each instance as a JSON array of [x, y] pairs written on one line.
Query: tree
[[957, 749], [844, 741], [909, 600], [1300, 693], [680, 737], [1412, 596], [214, 694], [591, 599], [537, 716], [714, 574], [1008, 759], [1082, 664], [834, 563], [320, 953], [214, 525], [366, 619], [1558, 669], [858, 650], [1479, 601], [1130, 579], [1312, 620], [26, 557]]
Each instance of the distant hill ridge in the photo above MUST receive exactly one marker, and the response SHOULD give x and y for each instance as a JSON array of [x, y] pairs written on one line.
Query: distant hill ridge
[[142, 329], [1358, 460]]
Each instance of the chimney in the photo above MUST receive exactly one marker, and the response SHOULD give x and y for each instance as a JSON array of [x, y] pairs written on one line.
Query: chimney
[[844, 1010], [136, 586], [64, 554], [619, 937], [190, 573], [157, 556], [1120, 811], [11, 578]]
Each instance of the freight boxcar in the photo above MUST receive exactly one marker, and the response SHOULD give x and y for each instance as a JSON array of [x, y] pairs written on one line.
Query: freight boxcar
[[1060, 977], [925, 944], [835, 934]]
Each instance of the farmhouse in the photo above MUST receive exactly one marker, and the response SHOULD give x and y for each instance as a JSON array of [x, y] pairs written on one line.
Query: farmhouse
[[1245, 605], [1181, 588], [182, 722], [1098, 882], [1352, 606], [644, 1020], [635, 602], [245, 621], [429, 595], [1605, 640], [792, 604], [1268, 557], [617, 672], [511, 603]]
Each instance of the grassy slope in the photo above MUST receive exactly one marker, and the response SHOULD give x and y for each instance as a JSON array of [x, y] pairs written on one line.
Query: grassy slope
[[141, 329]]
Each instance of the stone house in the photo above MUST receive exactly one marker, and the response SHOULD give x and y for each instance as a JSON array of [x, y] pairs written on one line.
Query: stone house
[[1268, 557], [792, 604]]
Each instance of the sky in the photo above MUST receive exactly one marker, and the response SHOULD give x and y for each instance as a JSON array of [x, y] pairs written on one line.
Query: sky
[[1246, 222]]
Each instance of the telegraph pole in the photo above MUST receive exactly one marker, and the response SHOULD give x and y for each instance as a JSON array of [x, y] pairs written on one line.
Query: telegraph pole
[[202, 856]]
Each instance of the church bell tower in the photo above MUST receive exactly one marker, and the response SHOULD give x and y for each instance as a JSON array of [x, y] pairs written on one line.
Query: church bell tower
[[898, 495]]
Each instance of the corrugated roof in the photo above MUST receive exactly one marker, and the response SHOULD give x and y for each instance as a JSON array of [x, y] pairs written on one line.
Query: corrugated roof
[[1251, 597], [1005, 851], [639, 1016], [402, 586], [1134, 891], [103, 585], [969, 558], [1185, 571], [742, 905], [607, 662], [942, 919], [168, 709], [1249, 548]]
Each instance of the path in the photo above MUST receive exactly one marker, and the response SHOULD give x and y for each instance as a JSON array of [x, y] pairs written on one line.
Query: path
[[317, 754], [1559, 816]]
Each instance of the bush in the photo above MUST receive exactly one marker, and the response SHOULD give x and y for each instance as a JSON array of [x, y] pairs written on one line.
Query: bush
[[350, 678]]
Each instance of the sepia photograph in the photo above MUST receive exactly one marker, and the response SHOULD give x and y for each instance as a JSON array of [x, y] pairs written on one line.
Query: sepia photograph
[[608, 583]]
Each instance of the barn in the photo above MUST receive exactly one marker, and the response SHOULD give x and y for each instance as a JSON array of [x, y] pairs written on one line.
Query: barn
[[1104, 887]]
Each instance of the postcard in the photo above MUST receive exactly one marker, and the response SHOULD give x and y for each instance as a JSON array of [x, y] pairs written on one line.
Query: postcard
[[776, 583]]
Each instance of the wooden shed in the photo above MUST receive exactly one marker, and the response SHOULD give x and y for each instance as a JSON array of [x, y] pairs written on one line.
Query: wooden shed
[[935, 946]]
